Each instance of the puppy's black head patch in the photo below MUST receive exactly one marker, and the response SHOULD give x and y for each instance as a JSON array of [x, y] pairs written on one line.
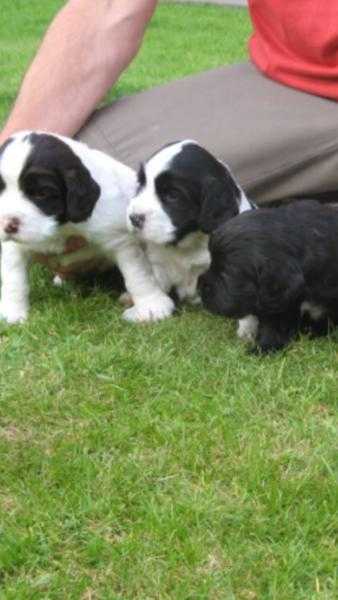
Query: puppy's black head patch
[[2, 150], [141, 178], [55, 179], [197, 191], [179, 197]]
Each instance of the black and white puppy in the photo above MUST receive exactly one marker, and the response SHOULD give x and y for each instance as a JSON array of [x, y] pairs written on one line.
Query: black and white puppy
[[184, 193], [277, 264], [52, 187]]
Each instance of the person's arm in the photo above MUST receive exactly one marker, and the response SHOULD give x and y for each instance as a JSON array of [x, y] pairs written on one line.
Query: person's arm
[[85, 49]]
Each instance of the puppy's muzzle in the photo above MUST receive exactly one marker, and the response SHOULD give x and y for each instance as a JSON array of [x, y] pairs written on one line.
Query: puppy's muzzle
[[137, 220], [10, 225]]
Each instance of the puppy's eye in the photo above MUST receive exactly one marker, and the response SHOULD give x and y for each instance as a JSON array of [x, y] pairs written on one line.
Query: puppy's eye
[[45, 193], [171, 197]]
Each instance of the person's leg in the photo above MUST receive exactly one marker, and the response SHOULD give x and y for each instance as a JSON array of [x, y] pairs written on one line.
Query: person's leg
[[279, 142]]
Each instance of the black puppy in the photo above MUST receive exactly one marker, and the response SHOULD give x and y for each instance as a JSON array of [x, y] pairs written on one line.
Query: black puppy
[[274, 266]]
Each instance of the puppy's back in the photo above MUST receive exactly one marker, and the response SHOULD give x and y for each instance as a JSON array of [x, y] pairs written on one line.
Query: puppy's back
[[286, 252], [292, 229]]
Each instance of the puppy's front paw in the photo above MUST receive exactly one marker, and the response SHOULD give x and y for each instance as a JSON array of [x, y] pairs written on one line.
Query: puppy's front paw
[[247, 328], [125, 299], [13, 314], [153, 309]]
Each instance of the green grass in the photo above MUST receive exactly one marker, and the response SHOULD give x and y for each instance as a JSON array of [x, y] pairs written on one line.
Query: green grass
[[159, 462]]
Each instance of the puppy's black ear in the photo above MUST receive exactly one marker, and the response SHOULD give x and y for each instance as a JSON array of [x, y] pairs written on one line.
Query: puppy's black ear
[[281, 286], [220, 200], [82, 194]]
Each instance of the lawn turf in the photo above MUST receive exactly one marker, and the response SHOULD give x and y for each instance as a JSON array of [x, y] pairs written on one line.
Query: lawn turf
[[159, 462]]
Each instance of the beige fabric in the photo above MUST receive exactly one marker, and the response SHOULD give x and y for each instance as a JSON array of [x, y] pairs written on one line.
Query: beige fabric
[[279, 142]]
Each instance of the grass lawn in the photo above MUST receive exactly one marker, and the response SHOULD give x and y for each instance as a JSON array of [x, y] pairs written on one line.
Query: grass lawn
[[159, 462]]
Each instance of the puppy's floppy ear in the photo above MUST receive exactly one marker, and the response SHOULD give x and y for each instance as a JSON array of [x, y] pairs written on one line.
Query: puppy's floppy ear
[[219, 202], [82, 193], [281, 285]]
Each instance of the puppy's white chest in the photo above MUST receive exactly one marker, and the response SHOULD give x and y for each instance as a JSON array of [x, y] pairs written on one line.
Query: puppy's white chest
[[180, 267]]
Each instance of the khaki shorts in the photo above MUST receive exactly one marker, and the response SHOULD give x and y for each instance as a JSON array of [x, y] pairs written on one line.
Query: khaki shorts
[[279, 142]]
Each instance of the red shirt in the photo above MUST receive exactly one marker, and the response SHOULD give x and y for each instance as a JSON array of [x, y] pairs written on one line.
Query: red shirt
[[296, 42]]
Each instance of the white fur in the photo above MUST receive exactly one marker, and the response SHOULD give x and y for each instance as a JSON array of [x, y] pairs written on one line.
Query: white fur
[[315, 311], [247, 328], [180, 266], [244, 203], [14, 304], [105, 230], [58, 281]]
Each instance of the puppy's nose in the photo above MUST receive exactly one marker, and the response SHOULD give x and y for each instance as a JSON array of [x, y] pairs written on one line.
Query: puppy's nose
[[12, 225], [137, 220]]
